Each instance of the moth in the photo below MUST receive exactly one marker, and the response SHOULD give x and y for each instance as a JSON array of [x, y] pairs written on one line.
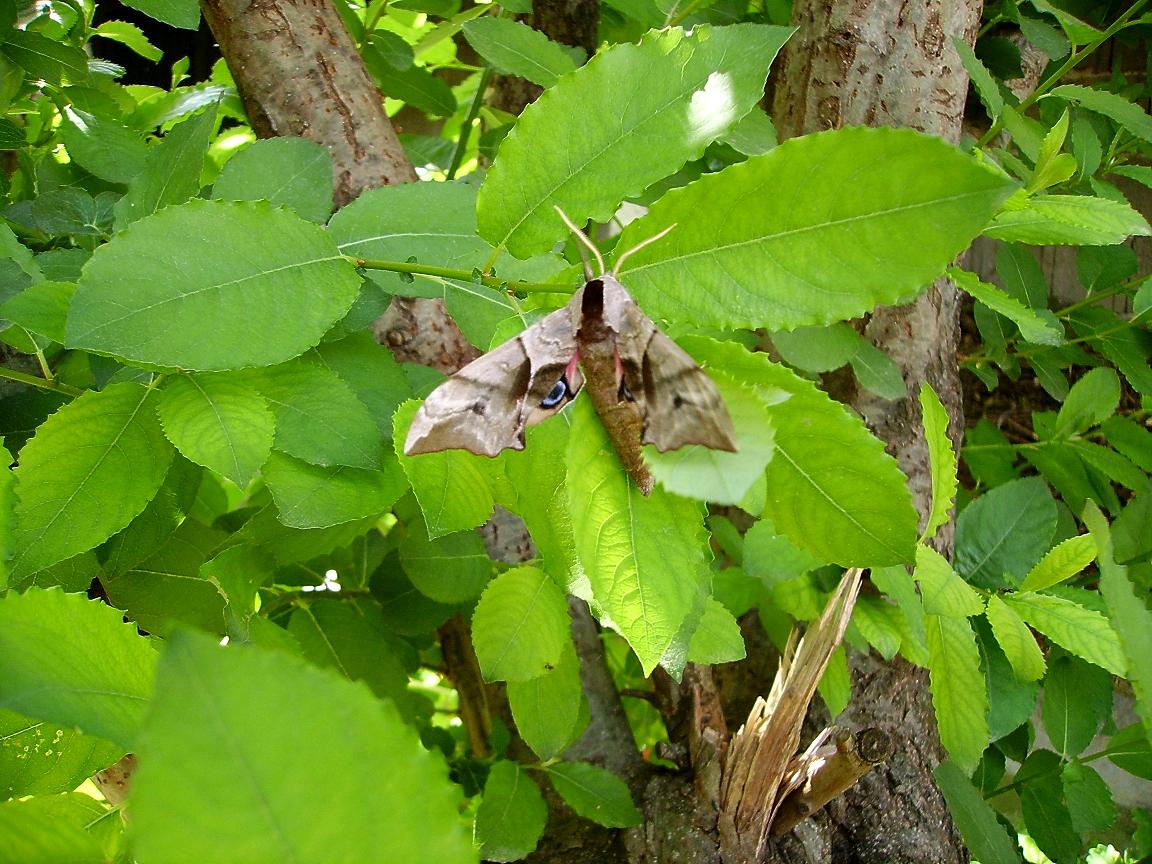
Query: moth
[[645, 388]]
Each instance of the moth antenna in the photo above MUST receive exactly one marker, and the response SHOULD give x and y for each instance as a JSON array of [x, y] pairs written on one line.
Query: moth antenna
[[625, 255], [583, 238]]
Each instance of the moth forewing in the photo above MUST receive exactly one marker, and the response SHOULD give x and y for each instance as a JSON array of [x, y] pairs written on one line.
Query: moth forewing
[[485, 407]]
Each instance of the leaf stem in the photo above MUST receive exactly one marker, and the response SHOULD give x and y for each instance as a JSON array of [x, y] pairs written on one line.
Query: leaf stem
[[42, 383], [466, 128], [463, 275]]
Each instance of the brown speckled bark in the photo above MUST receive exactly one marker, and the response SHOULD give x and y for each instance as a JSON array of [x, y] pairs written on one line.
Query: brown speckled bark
[[299, 73]]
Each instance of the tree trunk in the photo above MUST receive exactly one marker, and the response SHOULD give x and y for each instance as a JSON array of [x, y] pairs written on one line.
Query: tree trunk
[[888, 64]]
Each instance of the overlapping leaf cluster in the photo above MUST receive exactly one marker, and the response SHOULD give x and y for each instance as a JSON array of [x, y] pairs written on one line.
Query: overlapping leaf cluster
[[216, 437]]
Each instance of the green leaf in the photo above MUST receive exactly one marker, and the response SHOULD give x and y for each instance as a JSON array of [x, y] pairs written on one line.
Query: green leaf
[[52, 830], [1081, 631], [825, 467], [1046, 816], [370, 370], [178, 13], [944, 592], [986, 87], [258, 301], [55, 61], [752, 135], [879, 623], [452, 486], [42, 307], [1034, 326], [108, 149], [449, 569], [1077, 697], [318, 417], [315, 496], [984, 835], [72, 661], [1089, 798], [39, 758], [292, 172], [12, 137], [171, 173], [713, 475], [1128, 114], [1068, 220], [771, 268], [633, 115], [958, 691], [1015, 640], [1021, 274], [520, 625], [1126, 346], [1129, 614], [166, 588], [942, 459], [595, 794], [877, 372], [353, 638], [899, 585], [513, 48], [835, 685], [130, 35], [1091, 401], [717, 638], [512, 815], [1010, 701], [1001, 535], [1061, 562], [817, 349], [1131, 750], [546, 708], [220, 422], [416, 85], [646, 558], [223, 719], [91, 467]]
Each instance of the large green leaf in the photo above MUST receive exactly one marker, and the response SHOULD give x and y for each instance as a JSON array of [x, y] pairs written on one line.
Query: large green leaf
[[171, 173], [1091, 401], [983, 834], [89, 470], [39, 758], [215, 781], [294, 172], [831, 487], [512, 815], [631, 116], [74, 662], [1077, 699], [1128, 114], [1015, 640], [51, 831], [646, 558], [520, 626], [220, 422], [595, 794], [1001, 535], [452, 486], [1062, 561], [751, 243], [54, 60], [1038, 326], [187, 287], [958, 691], [449, 569], [1072, 220], [514, 48], [1084, 632], [317, 496], [370, 370], [942, 459], [546, 708], [944, 592], [178, 13], [1042, 802], [107, 148], [1130, 616], [318, 417]]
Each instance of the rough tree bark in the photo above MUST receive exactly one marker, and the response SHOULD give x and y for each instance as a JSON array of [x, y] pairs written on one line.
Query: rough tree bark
[[890, 64]]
